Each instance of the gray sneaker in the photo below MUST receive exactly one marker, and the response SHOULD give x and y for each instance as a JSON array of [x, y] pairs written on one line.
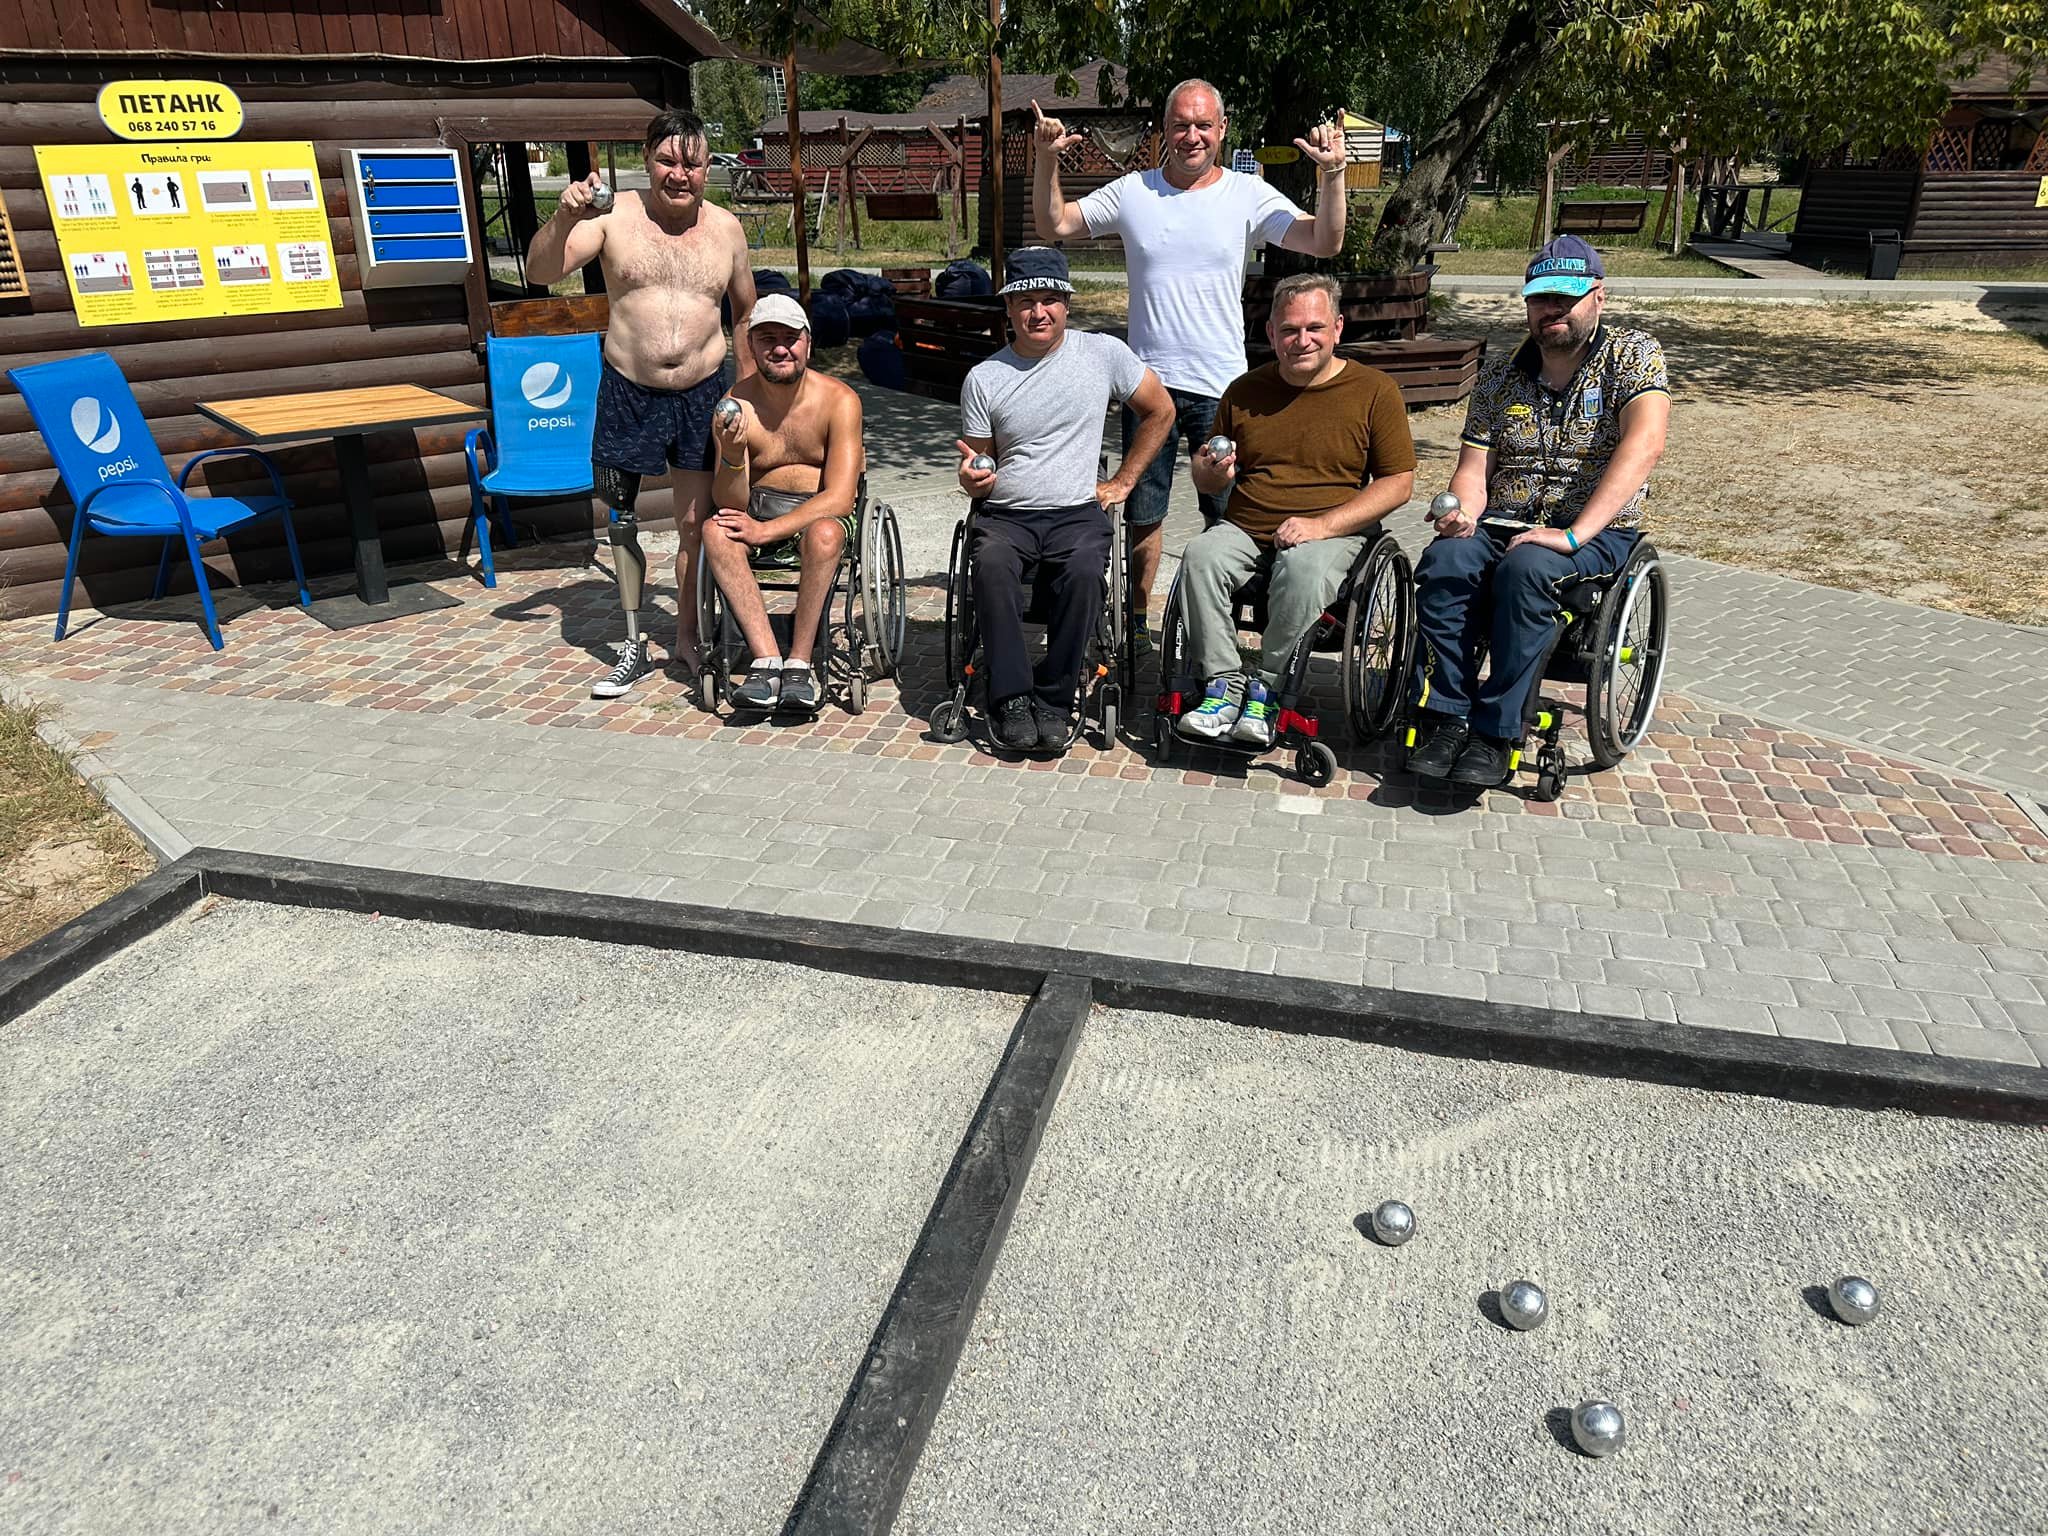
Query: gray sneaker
[[801, 694], [762, 689], [1213, 718], [633, 665]]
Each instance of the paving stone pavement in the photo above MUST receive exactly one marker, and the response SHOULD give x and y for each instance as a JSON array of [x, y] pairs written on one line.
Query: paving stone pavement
[[1740, 871]]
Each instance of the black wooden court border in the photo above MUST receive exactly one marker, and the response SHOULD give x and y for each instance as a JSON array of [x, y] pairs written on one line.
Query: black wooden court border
[[861, 1473]]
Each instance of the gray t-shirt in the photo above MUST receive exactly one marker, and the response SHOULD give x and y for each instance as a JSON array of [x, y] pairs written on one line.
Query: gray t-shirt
[[1045, 415]]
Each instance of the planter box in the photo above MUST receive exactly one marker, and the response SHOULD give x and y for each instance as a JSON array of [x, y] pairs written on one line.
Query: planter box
[[1375, 308]]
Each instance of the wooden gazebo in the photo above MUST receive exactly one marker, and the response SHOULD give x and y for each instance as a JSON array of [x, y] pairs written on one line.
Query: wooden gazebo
[[1972, 197]]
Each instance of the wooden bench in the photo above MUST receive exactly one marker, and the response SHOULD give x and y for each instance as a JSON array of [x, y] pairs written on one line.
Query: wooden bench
[[903, 205], [942, 339], [551, 317], [909, 282], [1430, 370], [1616, 218]]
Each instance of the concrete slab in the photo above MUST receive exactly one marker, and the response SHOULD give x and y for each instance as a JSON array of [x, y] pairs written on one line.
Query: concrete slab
[[1186, 1332], [332, 1223]]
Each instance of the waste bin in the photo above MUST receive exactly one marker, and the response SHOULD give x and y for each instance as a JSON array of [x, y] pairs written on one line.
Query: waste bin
[[1884, 255]]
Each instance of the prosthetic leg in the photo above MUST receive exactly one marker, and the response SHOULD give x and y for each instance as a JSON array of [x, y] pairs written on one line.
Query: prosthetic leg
[[620, 489]]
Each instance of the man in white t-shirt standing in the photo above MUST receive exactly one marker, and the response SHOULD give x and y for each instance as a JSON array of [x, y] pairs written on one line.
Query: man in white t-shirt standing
[[1188, 229]]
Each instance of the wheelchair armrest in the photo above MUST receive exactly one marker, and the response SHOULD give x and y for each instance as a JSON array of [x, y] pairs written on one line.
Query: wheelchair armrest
[[270, 468]]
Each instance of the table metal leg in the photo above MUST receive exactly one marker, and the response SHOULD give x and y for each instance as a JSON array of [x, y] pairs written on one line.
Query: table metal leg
[[354, 463]]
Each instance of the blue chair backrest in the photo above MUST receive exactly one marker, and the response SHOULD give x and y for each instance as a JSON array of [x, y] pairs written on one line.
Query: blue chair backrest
[[88, 416], [544, 399]]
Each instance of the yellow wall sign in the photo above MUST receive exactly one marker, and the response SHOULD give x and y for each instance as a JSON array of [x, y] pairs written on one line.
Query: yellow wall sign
[[2041, 197], [178, 232], [170, 109], [1277, 154]]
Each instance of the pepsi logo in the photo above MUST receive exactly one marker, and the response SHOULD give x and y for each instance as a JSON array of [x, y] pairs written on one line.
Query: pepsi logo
[[545, 385], [95, 425]]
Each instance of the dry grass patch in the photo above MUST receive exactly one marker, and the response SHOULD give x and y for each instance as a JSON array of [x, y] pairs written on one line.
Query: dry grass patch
[[61, 849]]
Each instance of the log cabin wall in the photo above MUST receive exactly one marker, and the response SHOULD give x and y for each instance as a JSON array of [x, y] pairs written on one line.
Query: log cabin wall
[[629, 68]]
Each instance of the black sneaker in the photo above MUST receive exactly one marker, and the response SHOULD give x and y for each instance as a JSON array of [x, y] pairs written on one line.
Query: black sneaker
[[1438, 741], [1484, 763], [1055, 726], [762, 689], [633, 665], [1017, 724], [800, 692]]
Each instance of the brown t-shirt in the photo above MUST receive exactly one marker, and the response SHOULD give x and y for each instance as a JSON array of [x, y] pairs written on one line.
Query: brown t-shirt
[[1304, 451]]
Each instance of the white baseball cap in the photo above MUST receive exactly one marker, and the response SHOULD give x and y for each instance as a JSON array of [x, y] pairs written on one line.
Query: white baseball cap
[[779, 309]]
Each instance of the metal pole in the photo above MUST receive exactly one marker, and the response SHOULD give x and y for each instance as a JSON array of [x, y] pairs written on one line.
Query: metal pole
[[796, 184], [993, 187]]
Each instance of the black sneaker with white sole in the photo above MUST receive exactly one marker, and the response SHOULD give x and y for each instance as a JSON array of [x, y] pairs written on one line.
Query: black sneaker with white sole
[[762, 689], [801, 694], [1439, 740], [633, 665], [1016, 724]]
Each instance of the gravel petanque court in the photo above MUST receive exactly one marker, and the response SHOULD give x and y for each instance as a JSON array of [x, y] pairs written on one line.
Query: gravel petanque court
[[369, 1225], [1185, 1332]]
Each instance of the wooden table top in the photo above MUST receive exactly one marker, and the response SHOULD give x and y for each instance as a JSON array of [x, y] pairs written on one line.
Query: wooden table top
[[337, 412]]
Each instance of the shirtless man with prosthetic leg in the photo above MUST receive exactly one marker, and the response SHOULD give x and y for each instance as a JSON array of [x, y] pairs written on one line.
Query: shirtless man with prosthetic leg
[[668, 256]]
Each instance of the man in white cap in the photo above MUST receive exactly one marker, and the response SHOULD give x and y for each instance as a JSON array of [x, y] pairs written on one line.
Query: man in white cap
[[1188, 227], [786, 478]]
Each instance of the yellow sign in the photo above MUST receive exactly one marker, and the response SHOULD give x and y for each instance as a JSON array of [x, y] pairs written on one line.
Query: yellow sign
[[170, 109], [1277, 154], [2041, 197], [177, 232]]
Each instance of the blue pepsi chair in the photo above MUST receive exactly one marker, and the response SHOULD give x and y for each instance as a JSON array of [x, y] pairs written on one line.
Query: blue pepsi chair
[[121, 485], [543, 414]]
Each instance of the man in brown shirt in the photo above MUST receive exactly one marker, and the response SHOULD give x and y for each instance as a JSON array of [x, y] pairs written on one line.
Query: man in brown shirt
[[1322, 452]]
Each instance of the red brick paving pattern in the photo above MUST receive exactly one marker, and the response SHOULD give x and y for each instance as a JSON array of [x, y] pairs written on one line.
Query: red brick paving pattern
[[526, 653]]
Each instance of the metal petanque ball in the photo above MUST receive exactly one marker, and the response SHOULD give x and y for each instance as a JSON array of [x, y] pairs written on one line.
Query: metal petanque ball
[[1524, 1305], [1393, 1223], [601, 198], [1443, 504], [981, 464], [1597, 1427], [1220, 447], [1854, 1300], [727, 411]]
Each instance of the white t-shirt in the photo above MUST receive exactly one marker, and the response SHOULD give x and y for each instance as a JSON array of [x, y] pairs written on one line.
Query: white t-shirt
[[1045, 415], [1186, 253]]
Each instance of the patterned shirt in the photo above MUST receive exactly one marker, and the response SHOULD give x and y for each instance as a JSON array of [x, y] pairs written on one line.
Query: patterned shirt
[[1551, 447]]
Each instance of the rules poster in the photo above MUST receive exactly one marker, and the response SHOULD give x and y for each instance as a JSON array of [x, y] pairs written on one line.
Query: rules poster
[[153, 231]]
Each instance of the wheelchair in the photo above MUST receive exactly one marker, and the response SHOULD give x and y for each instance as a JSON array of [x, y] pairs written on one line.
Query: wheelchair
[[1609, 640], [1106, 674], [1370, 626], [860, 632]]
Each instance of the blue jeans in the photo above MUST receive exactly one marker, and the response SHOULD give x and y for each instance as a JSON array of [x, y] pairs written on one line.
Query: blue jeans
[[1471, 595], [1193, 416]]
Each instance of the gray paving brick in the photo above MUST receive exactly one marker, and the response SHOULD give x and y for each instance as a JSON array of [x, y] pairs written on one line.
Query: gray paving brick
[[1780, 962], [1726, 1013], [1809, 1024], [1740, 986], [1621, 1002], [1635, 946], [1852, 970], [1439, 981], [1890, 1003], [1281, 934], [1940, 978], [1652, 977], [1538, 963], [1981, 1044]]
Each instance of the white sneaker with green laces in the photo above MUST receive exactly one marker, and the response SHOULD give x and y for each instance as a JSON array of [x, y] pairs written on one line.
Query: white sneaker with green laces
[[1212, 719], [1254, 725]]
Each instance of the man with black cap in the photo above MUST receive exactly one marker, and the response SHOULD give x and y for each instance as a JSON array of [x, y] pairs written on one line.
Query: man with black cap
[[1037, 407], [1552, 472]]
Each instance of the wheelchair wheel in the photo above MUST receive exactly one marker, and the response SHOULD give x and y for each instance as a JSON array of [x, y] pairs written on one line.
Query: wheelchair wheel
[[949, 721], [884, 598], [1117, 607], [959, 610], [1379, 641], [1316, 764], [1627, 672], [713, 641]]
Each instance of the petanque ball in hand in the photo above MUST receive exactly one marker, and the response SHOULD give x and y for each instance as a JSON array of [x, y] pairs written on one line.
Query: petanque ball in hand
[[1854, 1300], [1443, 504], [1393, 1223], [1220, 447], [601, 198], [727, 410], [1597, 1427], [981, 464], [1524, 1305]]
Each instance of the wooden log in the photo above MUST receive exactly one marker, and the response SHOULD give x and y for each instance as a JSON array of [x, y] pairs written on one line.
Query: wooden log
[[204, 356], [382, 307]]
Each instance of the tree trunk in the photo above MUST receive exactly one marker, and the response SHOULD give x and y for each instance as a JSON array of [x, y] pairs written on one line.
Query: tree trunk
[[1296, 179], [1416, 216]]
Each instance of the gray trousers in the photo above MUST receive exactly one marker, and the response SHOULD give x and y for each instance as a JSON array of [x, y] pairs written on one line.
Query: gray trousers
[[1221, 559]]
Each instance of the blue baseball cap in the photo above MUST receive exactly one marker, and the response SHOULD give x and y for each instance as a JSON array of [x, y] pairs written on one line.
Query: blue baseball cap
[[1567, 265]]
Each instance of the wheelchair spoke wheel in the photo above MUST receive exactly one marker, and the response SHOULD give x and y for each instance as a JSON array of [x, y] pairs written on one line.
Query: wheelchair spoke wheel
[[1379, 643], [1627, 675], [883, 601], [959, 611]]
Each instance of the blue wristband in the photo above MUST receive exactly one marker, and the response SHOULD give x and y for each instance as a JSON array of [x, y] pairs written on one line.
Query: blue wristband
[[1572, 539]]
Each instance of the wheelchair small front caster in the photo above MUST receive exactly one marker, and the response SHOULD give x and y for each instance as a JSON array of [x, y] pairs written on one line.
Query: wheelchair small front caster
[[1316, 764]]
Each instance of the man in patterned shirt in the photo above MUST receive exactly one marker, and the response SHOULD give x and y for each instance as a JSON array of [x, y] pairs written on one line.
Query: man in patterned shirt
[[1555, 460]]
